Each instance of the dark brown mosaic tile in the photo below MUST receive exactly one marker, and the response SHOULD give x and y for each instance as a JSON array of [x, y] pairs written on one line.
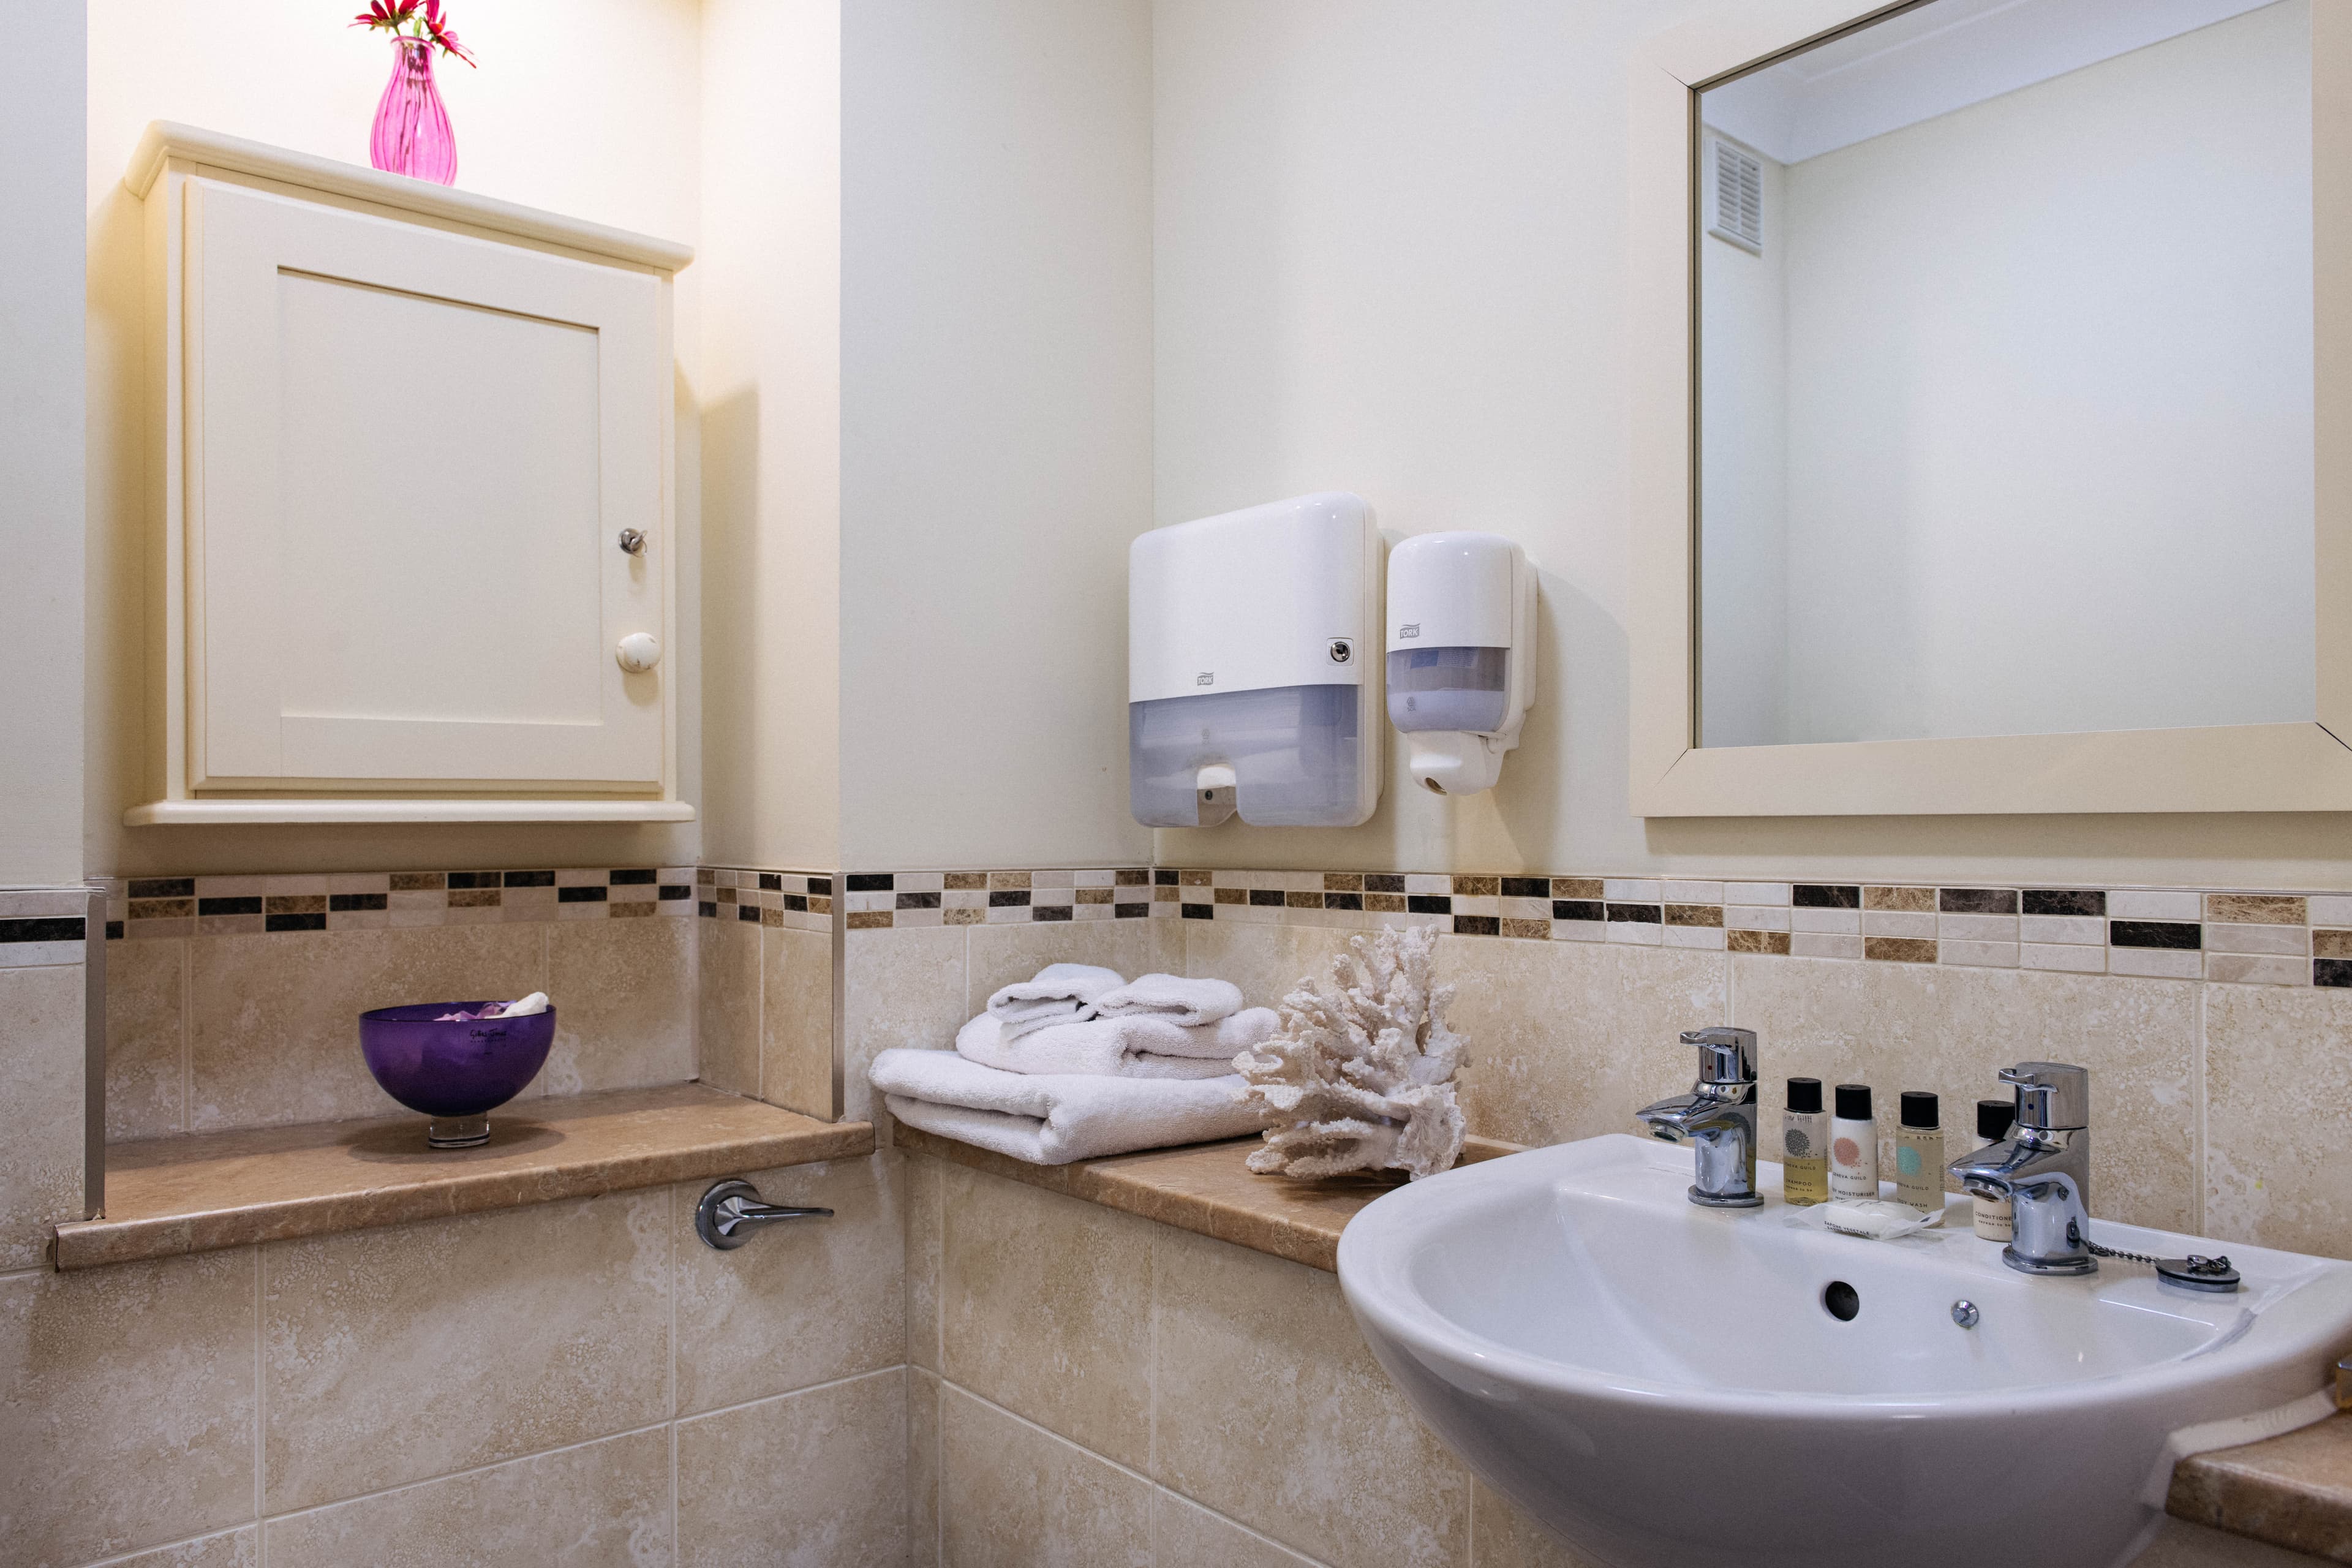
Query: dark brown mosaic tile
[[530, 879], [1265, 898], [354, 903], [704, 876], [1904, 900], [725, 895], [1163, 876], [1579, 909], [307, 920], [1428, 904], [1774, 941], [1478, 925], [1343, 882], [1302, 900], [2063, 901], [295, 904], [2174, 934], [1977, 900], [1899, 948], [163, 888], [1825, 896], [2255, 909], [2331, 944], [1130, 911], [474, 880], [162, 909], [869, 920], [2331, 971], [773, 882], [1343, 901], [1049, 913], [237, 906], [642, 877], [1526, 887], [1131, 876], [751, 912], [1199, 911], [478, 898], [1084, 895], [917, 901], [1230, 894], [964, 881], [419, 882], [1007, 898], [590, 895], [1693, 914], [873, 882], [1636, 915], [1383, 903], [1383, 882]]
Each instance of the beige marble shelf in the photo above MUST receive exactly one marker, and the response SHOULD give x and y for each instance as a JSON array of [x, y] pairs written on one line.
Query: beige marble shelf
[[170, 1196], [1204, 1188], [2294, 1491]]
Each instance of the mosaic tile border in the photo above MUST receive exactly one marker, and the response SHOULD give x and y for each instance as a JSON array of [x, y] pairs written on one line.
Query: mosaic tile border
[[795, 900], [881, 901], [2240, 937], [43, 926], [141, 908]]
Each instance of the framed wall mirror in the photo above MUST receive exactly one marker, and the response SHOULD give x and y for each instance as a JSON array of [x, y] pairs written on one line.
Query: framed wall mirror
[[1990, 448]]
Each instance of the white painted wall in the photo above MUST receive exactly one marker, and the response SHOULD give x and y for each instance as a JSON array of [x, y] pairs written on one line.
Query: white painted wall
[[995, 425], [41, 530], [1389, 253], [2050, 404], [770, 268], [586, 107]]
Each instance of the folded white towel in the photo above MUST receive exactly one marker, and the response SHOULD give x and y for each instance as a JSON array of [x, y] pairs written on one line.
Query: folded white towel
[[1119, 1048], [1058, 994], [1172, 998], [1052, 1119]]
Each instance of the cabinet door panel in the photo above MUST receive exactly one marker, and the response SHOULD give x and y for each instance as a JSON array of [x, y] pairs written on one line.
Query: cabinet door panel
[[412, 453]]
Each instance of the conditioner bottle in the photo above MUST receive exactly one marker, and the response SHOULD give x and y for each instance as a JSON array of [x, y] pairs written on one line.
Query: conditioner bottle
[[1854, 1145], [1805, 1144], [1919, 1155], [1995, 1220]]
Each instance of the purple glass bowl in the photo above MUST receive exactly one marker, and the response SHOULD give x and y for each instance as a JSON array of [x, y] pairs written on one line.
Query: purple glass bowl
[[454, 1072]]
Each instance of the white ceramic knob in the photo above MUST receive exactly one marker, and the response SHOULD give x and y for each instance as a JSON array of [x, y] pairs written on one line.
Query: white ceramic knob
[[639, 652]]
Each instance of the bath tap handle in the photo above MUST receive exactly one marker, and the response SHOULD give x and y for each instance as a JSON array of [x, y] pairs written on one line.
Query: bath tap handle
[[732, 1211]]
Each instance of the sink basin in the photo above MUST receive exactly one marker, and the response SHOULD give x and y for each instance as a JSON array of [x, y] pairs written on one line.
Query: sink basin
[[1668, 1386]]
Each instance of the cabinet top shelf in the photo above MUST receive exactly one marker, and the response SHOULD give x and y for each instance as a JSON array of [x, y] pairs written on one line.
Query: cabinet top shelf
[[165, 139]]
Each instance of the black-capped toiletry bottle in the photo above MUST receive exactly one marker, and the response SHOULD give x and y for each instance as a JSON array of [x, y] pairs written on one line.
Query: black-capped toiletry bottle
[[1995, 1219], [1805, 1144], [1854, 1145], [1920, 1154]]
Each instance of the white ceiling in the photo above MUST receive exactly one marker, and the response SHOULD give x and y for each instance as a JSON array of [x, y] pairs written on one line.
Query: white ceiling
[[1936, 59]]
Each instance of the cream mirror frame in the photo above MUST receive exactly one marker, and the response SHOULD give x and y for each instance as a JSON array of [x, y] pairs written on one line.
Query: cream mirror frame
[[2296, 766]]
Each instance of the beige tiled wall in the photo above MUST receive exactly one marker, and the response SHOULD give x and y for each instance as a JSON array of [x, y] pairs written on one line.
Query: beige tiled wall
[[501, 1389], [2217, 1107]]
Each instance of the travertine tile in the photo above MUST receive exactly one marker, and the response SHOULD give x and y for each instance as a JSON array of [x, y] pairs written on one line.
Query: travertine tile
[[1269, 1409], [2183, 1545], [727, 958], [809, 1302], [925, 1185], [923, 1397], [816, 1478], [146, 1044], [1503, 1537], [1898, 1026], [624, 996], [1268, 962], [1003, 954], [1014, 1496], [126, 1408], [1045, 1308], [229, 1549], [42, 1053], [2272, 1056], [602, 1505], [273, 1020], [796, 1021], [900, 988], [1182, 1531], [391, 1356], [1569, 1039]]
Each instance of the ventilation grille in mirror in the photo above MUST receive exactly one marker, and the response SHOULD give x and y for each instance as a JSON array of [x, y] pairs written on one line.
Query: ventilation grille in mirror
[[1738, 197]]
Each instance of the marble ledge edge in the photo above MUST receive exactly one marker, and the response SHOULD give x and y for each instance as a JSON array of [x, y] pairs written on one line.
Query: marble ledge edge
[[650, 1143]]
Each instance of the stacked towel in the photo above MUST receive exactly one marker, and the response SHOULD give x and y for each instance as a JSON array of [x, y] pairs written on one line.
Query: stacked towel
[[1052, 1119], [1119, 1048], [1058, 994], [1188, 1003]]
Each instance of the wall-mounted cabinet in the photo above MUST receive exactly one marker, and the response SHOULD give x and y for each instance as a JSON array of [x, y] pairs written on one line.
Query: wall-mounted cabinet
[[411, 492]]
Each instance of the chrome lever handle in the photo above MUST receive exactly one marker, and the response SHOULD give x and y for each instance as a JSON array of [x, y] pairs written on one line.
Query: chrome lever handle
[[732, 1211]]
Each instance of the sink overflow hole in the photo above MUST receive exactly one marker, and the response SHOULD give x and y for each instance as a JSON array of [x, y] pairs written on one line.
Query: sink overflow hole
[[1842, 1300]]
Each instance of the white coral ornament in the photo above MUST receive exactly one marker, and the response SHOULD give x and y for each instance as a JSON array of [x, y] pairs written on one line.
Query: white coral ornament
[[1362, 1075]]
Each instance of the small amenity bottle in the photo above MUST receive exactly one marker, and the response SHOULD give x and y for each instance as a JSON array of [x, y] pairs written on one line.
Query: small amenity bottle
[[1854, 1145], [1996, 1221], [1805, 1144], [1920, 1154]]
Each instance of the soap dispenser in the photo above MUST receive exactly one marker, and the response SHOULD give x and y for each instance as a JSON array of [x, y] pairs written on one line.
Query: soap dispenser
[[1461, 656]]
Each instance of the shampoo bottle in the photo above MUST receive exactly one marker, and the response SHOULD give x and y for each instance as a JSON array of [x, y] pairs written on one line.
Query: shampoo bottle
[[1996, 1221], [1919, 1155], [1854, 1145], [1805, 1144]]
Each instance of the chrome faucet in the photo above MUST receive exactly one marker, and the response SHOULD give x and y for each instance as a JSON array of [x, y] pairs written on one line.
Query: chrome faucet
[[2043, 1168], [1718, 1118]]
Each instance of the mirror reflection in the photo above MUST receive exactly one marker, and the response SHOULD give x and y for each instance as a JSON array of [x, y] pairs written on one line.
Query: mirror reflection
[[2005, 376]]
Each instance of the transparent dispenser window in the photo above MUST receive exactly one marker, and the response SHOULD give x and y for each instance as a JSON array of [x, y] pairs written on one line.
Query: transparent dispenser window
[[1449, 688], [1294, 750]]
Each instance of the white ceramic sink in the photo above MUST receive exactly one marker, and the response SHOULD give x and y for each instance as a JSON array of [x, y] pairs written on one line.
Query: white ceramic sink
[[1664, 1386]]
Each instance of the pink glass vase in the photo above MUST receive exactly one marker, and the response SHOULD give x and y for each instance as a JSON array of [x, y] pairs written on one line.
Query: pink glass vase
[[412, 129]]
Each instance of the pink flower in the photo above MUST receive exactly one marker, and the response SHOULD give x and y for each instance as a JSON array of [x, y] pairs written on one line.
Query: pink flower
[[396, 17]]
